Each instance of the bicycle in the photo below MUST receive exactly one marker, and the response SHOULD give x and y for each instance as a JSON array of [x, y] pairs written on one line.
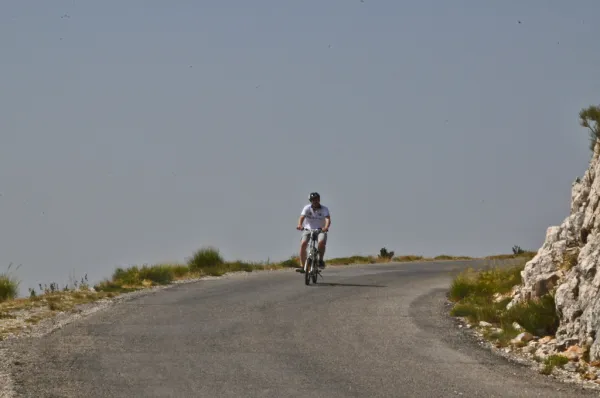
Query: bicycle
[[311, 266]]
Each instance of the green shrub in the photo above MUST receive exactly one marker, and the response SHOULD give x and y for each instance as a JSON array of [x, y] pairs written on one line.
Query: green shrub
[[9, 285], [552, 361], [236, 266], [484, 283], [180, 270], [204, 258], [517, 250], [384, 253], [476, 309], [159, 274], [537, 316], [590, 117], [128, 276], [461, 287], [291, 262]]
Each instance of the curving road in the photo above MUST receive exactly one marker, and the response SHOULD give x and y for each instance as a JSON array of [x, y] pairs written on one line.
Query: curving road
[[363, 331]]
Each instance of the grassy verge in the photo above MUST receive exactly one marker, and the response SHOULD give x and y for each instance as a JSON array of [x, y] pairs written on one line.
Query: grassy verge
[[204, 262], [483, 296], [18, 313], [388, 259], [524, 255]]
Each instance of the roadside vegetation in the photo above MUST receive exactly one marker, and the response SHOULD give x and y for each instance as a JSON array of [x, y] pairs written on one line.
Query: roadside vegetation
[[9, 285], [481, 298], [386, 256], [483, 295], [206, 261], [46, 300], [517, 252], [590, 118]]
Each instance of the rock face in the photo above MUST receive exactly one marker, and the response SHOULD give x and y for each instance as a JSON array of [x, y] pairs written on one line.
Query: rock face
[[567, 264]]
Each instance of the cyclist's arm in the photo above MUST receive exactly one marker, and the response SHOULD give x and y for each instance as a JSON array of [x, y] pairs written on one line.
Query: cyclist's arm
[[300, 221], [327, 222]]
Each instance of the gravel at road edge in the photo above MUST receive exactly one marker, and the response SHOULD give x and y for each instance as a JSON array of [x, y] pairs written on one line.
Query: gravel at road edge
[[514, 356]]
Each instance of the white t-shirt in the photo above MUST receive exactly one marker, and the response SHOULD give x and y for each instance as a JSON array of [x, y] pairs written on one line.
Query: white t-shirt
[[314, 218]]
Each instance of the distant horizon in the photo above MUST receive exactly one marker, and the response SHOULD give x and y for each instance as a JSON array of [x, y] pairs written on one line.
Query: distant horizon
[[138, 132], [71, 278]]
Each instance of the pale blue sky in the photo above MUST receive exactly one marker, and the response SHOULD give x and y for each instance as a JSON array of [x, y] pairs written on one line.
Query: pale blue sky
[[139, 131]]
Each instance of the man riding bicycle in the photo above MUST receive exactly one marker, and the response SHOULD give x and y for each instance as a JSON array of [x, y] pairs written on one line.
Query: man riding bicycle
[[314, 216]]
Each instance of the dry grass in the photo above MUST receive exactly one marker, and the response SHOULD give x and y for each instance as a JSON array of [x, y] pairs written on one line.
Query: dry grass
[[569, 259], [19, 314], [55, 301]]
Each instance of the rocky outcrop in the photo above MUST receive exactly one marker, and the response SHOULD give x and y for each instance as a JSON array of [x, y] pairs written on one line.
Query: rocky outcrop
[[567, 265]]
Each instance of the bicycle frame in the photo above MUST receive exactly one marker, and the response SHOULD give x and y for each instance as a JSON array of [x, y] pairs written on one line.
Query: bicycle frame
[[312, 257]]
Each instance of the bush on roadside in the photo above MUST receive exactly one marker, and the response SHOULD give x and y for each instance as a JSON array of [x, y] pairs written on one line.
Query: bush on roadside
[[134, 276], [517, 250], [205, 257], [537, 316], [291, 262], [385, 254], [180, 270], [9, 285], [484, 283], [483, 296], [225, 267]]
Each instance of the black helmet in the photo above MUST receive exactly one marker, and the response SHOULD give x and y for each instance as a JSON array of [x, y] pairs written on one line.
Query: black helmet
[[314, 195]]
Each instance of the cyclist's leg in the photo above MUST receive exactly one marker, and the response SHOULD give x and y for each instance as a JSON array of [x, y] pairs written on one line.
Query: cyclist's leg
[[303, 245], [322, 246]]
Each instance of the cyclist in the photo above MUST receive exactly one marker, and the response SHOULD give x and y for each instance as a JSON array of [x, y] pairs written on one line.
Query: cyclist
[[314, 216]]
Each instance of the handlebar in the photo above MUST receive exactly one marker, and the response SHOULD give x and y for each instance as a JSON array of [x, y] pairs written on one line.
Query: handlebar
[[313, 230]]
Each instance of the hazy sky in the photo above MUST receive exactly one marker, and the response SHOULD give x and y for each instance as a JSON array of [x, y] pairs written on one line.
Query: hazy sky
[[139, 131]]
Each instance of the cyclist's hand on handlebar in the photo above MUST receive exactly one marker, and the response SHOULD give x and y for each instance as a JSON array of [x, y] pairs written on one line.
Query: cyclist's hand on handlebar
[[299, 227], [325, 229]]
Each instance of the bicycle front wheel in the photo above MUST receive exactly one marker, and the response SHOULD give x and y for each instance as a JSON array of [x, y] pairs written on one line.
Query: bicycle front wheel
[[308, 271]]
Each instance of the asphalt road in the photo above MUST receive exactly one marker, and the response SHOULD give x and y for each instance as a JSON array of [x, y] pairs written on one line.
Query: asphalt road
[[363, 331]]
